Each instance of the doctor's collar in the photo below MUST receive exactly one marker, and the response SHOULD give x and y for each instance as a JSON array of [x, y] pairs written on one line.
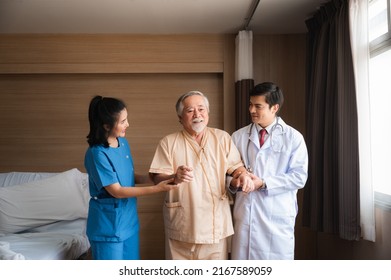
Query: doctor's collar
[[268, 128]]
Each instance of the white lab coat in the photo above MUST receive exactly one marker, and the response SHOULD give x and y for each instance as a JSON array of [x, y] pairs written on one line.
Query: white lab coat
[[264, 220]]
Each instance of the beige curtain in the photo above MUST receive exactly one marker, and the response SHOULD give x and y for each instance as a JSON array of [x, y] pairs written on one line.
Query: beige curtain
[[243, 76], [360, 50]]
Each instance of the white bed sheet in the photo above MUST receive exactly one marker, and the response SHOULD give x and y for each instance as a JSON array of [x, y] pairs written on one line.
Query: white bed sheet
[[63, 240]]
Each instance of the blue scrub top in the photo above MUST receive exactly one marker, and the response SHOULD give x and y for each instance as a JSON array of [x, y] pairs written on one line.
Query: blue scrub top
[[109, 218]]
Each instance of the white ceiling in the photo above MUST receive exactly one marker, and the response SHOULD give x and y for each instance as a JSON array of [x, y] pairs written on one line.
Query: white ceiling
[[155, 16]]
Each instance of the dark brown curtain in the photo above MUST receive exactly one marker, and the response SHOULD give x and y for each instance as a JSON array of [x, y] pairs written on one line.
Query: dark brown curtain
[[242, 96], [331, 196]]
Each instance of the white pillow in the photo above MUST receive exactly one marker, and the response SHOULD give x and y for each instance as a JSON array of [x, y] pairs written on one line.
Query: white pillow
[[17, 178], [62, 197]]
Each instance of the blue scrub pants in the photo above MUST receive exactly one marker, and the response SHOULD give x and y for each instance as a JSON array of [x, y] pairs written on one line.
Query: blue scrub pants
[[125, 250]]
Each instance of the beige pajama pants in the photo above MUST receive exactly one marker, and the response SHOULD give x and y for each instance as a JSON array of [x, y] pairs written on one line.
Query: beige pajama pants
[[178, 250]]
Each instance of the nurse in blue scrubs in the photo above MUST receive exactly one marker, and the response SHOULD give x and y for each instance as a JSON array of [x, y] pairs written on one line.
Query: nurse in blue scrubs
[[113, 224]]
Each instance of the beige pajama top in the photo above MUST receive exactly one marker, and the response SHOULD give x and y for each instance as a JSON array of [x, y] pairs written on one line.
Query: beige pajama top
[[199, 211]]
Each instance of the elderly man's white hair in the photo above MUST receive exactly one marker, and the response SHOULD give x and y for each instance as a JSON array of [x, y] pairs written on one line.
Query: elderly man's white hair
[[179, 103]]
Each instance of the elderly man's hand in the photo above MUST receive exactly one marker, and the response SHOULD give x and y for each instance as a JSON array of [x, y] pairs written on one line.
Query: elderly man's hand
[[246, 182], [243, 180], [183, 174]]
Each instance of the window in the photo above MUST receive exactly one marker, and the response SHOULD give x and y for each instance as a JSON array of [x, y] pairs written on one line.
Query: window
[[380, 95], [378, 19]]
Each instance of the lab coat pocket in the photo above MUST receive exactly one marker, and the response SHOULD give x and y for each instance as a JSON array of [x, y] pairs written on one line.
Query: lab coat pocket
[[173, 215]]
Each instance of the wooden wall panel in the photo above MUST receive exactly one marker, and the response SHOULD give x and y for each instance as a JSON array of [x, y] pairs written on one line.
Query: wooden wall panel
[[151, 227], [122, 48], [44, 117], [282, 59], [83, 53]]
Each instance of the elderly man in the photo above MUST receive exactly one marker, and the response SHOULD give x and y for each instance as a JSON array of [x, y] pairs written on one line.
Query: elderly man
[[197, 216]]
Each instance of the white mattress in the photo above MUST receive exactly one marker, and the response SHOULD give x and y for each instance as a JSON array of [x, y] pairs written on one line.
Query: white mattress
[[63, 240]]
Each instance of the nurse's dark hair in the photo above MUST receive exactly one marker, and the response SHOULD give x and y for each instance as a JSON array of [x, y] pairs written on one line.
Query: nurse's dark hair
[[103, 115], [273, 94]]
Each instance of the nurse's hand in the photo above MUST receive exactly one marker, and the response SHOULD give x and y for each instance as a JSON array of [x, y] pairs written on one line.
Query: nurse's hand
[[167, 185]]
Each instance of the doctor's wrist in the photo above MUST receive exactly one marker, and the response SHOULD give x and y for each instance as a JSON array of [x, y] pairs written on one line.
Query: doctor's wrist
[[263, 185]]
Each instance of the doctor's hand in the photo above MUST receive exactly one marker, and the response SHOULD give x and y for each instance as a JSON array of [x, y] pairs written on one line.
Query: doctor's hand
[[258, 182], [183, 174]]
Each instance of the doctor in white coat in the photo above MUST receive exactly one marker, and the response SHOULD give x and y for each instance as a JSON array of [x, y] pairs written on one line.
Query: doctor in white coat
[[264, 219]]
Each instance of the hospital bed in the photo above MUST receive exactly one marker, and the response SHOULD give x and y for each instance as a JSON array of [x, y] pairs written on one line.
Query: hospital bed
[[43, 215]]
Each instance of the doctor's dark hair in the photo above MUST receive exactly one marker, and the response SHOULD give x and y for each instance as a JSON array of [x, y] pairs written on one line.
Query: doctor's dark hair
[[103, 111], [273, 94]]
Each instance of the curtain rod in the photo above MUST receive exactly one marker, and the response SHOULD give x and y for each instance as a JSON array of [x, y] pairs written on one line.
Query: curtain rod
[[248, 19]]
